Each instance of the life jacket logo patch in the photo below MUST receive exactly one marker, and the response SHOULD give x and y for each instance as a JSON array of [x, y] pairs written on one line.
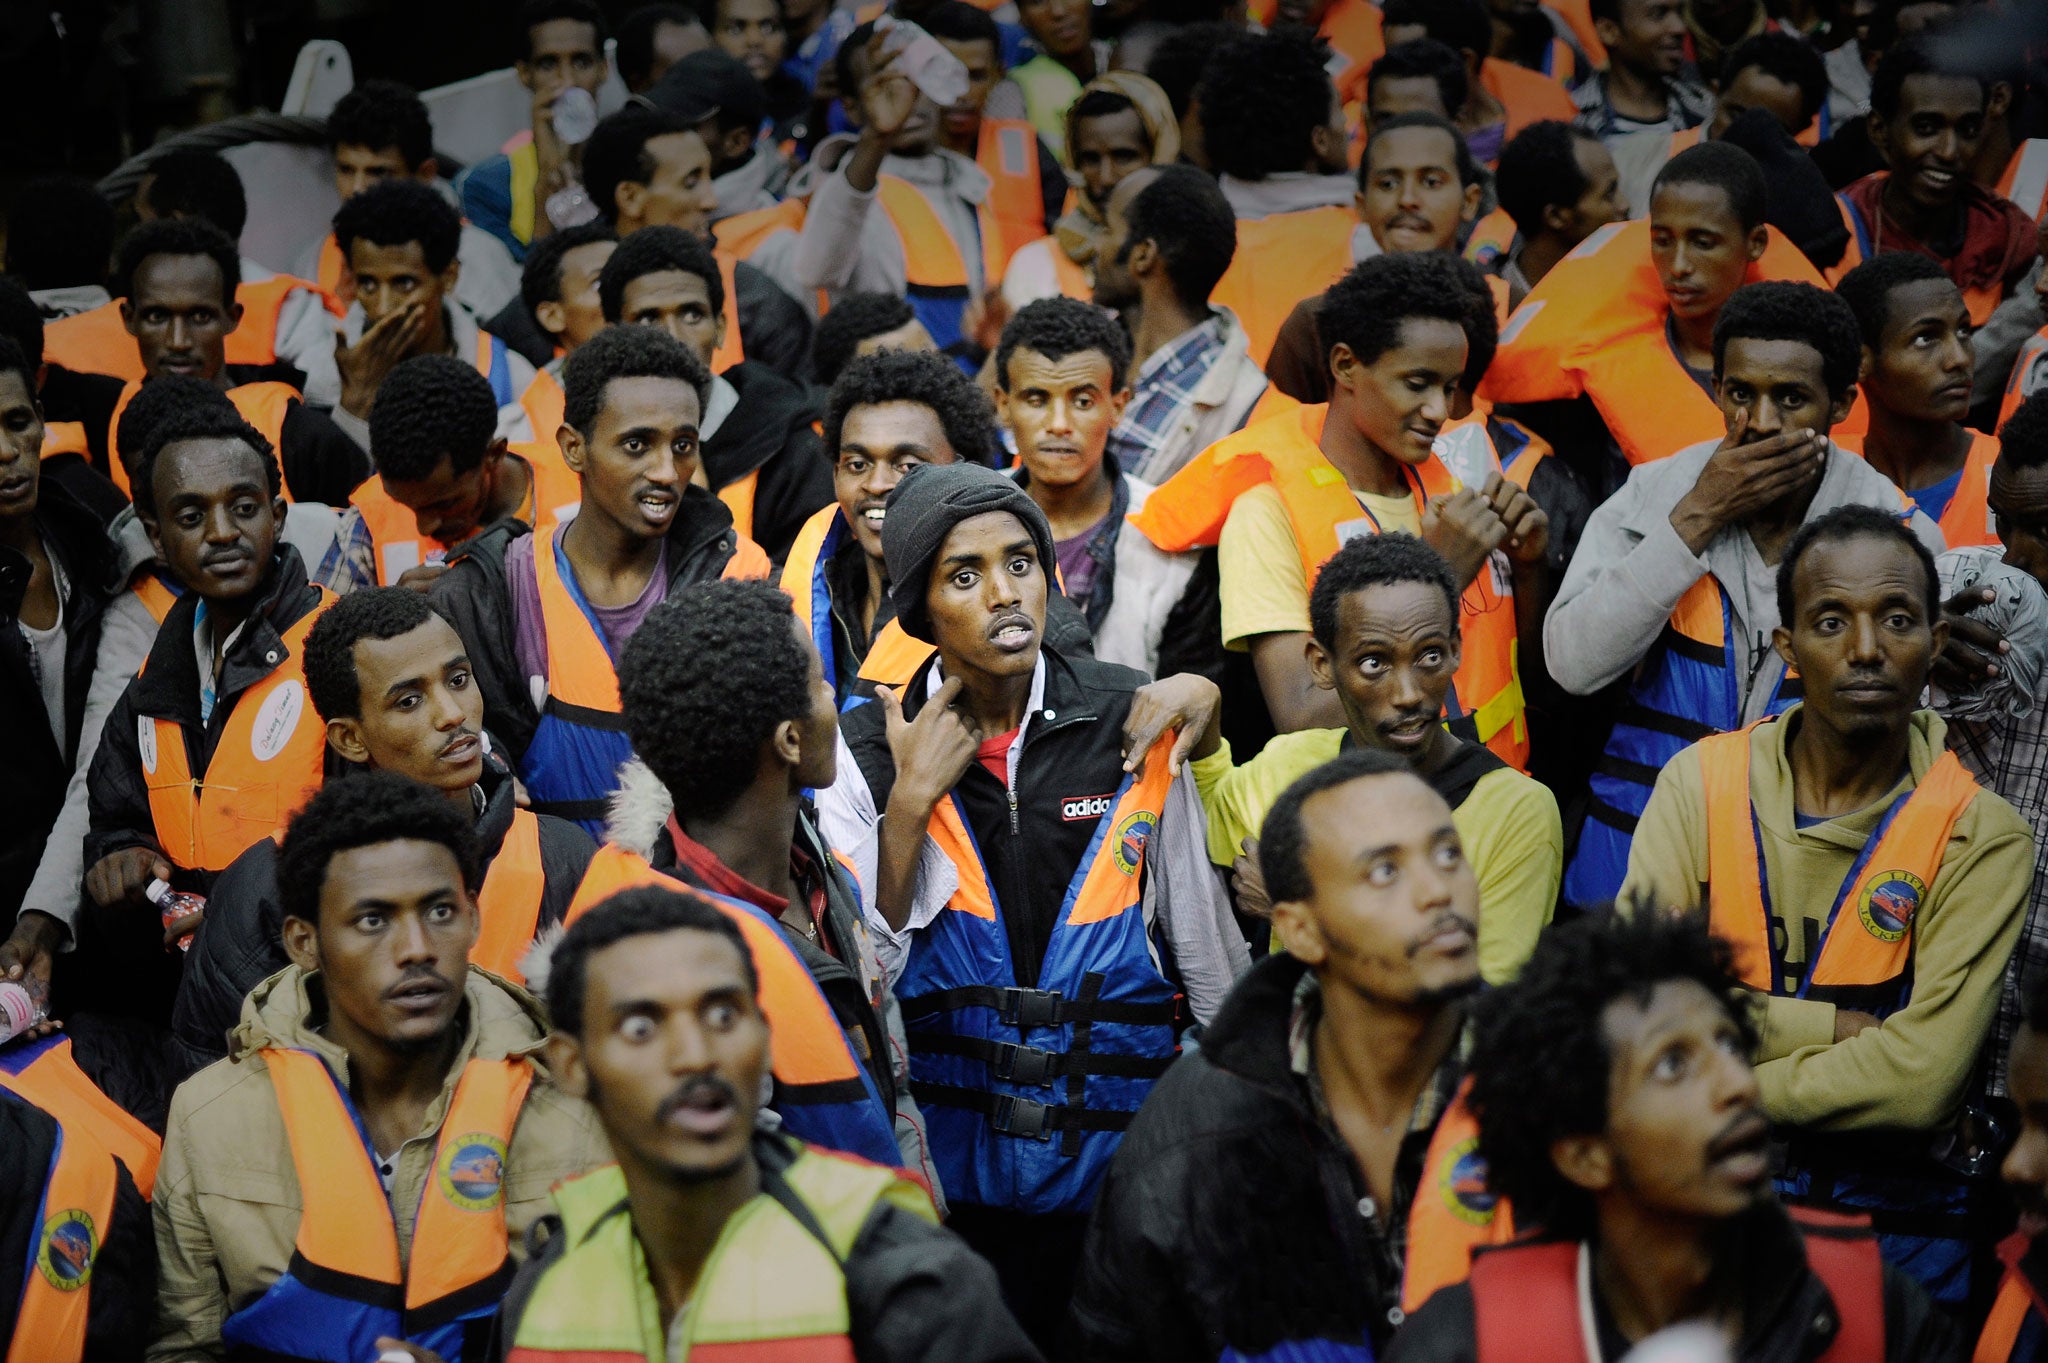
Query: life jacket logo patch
[[277, 720], [1076, 808], [145, 741], [1130, 839], [66, 1251], [1886, 909], [1463, 1184], [472, 1173]]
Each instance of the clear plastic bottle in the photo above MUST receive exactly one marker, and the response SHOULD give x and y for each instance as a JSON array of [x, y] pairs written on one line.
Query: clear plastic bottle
[[22, 1006], [574, 115], [173, 905]]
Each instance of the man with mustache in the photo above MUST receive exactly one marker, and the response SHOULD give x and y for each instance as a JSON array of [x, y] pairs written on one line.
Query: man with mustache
[[711, 1232], [393, 685], [1872, 890], [1330, 1079], [1618, 1111], [1042, 898], [367, 1160], [1385, 636]]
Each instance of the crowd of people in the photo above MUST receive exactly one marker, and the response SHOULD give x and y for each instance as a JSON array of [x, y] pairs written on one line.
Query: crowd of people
[[1031, 680]]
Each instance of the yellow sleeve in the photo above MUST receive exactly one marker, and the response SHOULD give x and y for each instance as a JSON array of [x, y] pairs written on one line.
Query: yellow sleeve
[[1236, 805], [1515, 841], [1259, 570], [1667, 859], [1911, 1072]]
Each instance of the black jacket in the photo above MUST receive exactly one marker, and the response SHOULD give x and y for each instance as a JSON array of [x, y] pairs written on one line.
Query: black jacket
[[38, 767], [774, 328], [1788, 1315], [472, 595], [122, 1305], [240, 944], [770, 431], [1228, 1217], [915, 1293]]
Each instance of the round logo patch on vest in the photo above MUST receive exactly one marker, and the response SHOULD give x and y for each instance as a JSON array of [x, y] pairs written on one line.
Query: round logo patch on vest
[[1130, 838], [1464, 1184], [1886, 909], [277, 720], [145, 740], [472, 1173], [65, 1253]]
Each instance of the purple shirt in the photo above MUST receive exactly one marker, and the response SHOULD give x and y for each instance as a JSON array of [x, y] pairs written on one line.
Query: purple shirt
[[1077, 565], [615, 623]]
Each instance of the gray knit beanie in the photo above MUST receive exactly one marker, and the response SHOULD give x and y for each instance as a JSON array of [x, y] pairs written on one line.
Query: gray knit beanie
[[922, 511]]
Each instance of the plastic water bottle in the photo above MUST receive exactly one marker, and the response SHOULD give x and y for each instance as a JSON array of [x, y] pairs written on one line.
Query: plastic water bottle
[[21, 1006], [574, 115], [173, 905]]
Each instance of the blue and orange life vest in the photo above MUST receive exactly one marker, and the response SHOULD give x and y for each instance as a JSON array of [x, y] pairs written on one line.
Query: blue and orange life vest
[[1966, 521], [263, 405], [937, 280], [2019, 1317], [893, 657], [346, 1285]]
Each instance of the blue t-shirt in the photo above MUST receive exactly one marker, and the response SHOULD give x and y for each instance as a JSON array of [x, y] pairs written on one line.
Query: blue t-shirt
[[1935, 498]]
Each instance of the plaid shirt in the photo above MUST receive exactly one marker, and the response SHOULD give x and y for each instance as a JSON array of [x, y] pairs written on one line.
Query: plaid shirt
[[1165, 384], [1386, 1229], [351, 561], [1687, 104], [2011, 758]]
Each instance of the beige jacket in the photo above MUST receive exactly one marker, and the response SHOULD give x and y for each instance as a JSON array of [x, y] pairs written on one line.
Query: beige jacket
[[227, 1196]]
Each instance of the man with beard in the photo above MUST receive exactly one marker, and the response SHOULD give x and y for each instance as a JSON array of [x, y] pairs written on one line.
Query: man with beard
[[1330, 1079], [709, 1230], [1872, 890]]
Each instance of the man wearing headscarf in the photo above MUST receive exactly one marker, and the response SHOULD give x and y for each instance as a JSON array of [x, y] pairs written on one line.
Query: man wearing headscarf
[[1122, 122]]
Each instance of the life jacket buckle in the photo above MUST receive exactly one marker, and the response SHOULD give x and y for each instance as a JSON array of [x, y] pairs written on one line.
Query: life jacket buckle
[[1026, 1117], [1024, 1064], [1031, 1007]]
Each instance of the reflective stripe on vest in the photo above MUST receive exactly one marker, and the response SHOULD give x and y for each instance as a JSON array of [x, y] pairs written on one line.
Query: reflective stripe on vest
[[263, 405], [571, 765], [1026, 1092], [2025, 181], [773, 1290], [509, 902], [937, 282], [70, 1226], [345, 1285], [1966, 523], [893, 657], [731, 350], [1282, 259], [1864, 963], [740, 235], [45, 1073], [269, 761], [1454, 1212], [1007, 152], [1527, 1305], [822, 1092], [2016, 1303], [254, 339], [1594, 326]]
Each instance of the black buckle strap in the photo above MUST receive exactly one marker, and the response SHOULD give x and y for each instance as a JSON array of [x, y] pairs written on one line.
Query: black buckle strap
[[1024, 1118], [1036, 1007], [1033, 1065]]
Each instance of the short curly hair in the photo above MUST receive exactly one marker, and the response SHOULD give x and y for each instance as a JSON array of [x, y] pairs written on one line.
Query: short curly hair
[[431, 408], [657, 250], [1904, 59], [1783, 58], [1376, 561], [1423, 59], [157, 399], [1461, 155], [1184, 215], [534, 13], [1365, 309], [394, 212], [177, 237], [383, 113], [1539, 167], [1868, 288], [617, 152], [1782, 310], [643, 911], [926, 378], [1721, 166], [1540, 1060], [1283, 841], [21, 321], [1261, 99], [1058, 327], [198, 422], [704, 682], [375, 613], [1852, 521], [854, 319], [625, 353], [540, 279], [2023, 439], [366, 809], [1181, 57], [198, 184]]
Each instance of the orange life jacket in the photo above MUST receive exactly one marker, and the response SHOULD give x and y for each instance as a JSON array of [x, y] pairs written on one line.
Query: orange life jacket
[[254, 340], [1865, 954], [1528, 96], [2015, 1303], [508, 905], [1189, 509], [740, 235], [1493, 237], [1594, 326], [1578, 17], [1353, 32], [551, 498], [893, 656], [332, 274], [66, 437], [1966, 523], [731, 350], [156, 597], [1008, 154], [1454, 1213], [45, 1073], [263, 405], [268, 761], [931, 258], [1282, 259], [738, 496], [2025, 181], [96, 341], [2016, 389]]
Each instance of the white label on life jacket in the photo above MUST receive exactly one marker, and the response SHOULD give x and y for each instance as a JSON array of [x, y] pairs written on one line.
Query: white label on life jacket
[[145, 739], [277, 720]]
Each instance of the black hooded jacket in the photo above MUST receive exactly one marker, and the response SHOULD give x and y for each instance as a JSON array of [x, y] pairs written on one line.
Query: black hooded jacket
[[770, 433]]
